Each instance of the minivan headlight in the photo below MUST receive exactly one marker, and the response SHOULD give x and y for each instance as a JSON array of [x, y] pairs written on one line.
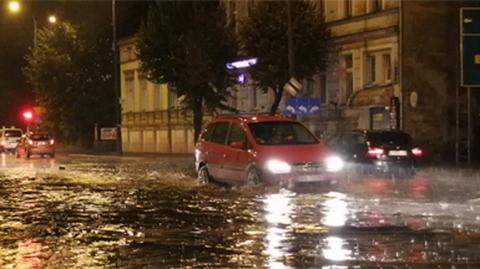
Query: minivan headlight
[[334, 164], [278, 167]]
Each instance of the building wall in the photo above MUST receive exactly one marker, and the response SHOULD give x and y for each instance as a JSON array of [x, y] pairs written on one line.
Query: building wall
[[430, 34], [151, 118], [365, 55], [361, 30]]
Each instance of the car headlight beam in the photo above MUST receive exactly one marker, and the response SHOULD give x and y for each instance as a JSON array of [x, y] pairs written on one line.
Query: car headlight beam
[[278, 167], [334, 164]]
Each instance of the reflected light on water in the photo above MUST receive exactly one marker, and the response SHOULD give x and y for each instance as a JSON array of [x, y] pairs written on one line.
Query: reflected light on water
[[334, 249], [279, 209], [336, 211], [29, 255]]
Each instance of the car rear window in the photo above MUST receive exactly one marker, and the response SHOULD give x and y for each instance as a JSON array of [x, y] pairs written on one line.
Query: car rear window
[[281, 133], [13, 133], [39, 137], [394, 138]]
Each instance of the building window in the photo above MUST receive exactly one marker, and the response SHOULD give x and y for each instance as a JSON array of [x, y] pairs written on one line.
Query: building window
[[348, 8], [323, 89], [172, 99], [387, 67], [232, 12], [130, 90], [143, 93], [348, 85], [377, 5], [156, 97], [309, 87], [370, 69], [348, 79]]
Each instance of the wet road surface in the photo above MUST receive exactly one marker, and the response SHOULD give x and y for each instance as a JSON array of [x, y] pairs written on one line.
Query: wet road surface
[[133, 212]]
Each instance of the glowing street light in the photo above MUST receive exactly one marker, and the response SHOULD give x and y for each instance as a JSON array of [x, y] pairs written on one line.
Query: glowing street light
[[14, 6], [52, 19], [28, 116]]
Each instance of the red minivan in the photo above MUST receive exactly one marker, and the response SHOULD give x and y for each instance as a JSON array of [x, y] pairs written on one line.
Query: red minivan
[[262, 149]]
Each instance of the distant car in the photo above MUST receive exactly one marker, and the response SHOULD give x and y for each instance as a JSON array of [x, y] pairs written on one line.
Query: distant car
[[262, 149], [37, 143], [9, 139], [377, 151]]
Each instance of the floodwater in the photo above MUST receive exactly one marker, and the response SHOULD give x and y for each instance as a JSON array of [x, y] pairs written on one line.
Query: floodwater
[[133, 212]]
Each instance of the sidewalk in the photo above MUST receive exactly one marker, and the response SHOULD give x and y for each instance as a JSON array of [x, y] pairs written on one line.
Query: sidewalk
[[82, 152]]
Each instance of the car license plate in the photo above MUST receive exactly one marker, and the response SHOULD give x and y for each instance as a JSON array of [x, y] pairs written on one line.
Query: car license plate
[[42, 143], [397, 153]]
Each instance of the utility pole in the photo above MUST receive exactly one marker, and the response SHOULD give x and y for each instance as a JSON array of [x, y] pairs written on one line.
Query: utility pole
[[116, 84], [291, 64]]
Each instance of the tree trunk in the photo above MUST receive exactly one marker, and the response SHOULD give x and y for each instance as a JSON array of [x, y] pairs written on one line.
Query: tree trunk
[[278, 97], [197, 116]]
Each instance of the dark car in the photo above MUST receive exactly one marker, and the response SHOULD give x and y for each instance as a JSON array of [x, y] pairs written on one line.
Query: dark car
[[377, 151], [38, 143], [268, 149]]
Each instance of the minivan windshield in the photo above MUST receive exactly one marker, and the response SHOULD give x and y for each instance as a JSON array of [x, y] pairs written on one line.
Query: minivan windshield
[[13, 133], [281, 133]]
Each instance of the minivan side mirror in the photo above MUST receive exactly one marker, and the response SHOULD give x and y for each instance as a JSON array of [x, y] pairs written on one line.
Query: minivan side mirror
[[237, 144]]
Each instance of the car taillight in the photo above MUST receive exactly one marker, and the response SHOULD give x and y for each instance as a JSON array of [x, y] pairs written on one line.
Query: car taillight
[[52, 141], [30, 142], [417, 152], [375, 152]]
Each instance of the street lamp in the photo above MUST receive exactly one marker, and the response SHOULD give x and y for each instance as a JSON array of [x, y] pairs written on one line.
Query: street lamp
[[52, 19], [13, 6]]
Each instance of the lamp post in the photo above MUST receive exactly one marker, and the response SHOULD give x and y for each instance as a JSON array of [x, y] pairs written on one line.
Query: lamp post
[[116, 79], [15, 7]]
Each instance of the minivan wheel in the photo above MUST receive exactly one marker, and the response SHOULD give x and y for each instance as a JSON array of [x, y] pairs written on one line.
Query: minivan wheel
[[203, 176], [253, 177]]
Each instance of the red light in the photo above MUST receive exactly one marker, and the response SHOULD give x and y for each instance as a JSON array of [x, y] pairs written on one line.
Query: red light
[[417, 152], [52, 141], [375, 152], [28, 115]]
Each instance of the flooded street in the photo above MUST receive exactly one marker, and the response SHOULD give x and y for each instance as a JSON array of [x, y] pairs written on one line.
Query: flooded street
[[148, 212]]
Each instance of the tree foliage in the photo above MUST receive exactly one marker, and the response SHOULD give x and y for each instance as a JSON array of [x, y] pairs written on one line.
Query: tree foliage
[[187, 45], [264, 35], [71, 75]]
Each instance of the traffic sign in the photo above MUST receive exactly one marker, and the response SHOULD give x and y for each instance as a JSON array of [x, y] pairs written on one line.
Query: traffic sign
[[470, 47], [292, 86]]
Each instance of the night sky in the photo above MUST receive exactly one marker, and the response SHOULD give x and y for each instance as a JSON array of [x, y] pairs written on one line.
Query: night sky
[[16, 36]]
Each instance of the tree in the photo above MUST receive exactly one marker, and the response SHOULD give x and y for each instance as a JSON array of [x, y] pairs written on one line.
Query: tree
[[264, 35], [187, 45], [71, 77]]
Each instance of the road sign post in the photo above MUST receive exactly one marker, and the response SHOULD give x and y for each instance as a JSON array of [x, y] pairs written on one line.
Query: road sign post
[[469, 71]]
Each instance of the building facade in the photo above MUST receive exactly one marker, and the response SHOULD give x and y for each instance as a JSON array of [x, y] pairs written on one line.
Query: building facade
[[356, 90], [394, 65], [152, 121]]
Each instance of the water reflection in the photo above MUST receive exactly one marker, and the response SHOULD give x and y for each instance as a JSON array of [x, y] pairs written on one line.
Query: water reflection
[[29, 255], [335, 215], [335, 250], [336, 211], [279, 209]]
